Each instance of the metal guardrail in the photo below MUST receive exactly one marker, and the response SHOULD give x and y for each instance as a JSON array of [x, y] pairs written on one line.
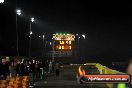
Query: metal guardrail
[[105, 70], [102, 70]]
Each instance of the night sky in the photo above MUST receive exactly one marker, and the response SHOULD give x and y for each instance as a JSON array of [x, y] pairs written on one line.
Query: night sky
[[107, 25]]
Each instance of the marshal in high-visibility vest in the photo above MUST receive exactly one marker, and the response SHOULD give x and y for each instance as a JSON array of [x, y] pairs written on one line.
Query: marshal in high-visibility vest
[[121, 85]]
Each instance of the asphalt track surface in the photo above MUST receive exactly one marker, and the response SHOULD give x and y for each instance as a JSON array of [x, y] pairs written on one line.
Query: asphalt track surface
[[67, 79]]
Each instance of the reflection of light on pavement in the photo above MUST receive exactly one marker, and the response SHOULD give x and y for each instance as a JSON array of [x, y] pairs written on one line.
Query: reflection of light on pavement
[[45, 82]]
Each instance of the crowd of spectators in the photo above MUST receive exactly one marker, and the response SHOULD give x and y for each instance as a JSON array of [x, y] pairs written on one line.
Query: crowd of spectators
[[35, 69]]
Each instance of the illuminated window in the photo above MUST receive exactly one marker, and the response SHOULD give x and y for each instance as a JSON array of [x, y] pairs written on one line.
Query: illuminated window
[[61, 42], [63, 47]]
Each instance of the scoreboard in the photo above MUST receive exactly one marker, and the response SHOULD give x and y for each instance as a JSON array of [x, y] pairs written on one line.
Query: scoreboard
[[63, 42], [63, 45]]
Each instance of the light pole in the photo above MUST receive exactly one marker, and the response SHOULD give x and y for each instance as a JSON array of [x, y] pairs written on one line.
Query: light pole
[[53, 57], [18, 12], [84, 36], [43, 46], [78, 42], [30, 32], [53, 49], [78, 47]]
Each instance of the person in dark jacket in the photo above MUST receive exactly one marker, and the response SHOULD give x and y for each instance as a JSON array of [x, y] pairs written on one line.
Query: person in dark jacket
[[22, 68], [12, 69], [33, 70], [57, 67], [1, 73], [18, 68], [4, 69], [31, 81], [26, 69], [37, 69]]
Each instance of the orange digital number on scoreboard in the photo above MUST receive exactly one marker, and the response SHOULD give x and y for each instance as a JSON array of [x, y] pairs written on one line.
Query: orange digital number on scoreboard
[[64, 47], [65, 42]]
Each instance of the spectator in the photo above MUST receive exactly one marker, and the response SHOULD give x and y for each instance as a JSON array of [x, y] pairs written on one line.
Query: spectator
[[7, 65], [26, 69], [37, 69], [44, 65], [22, 68], [4, 69], [31, 73], [33, 69], [12, 70], [57, 67], [50, 66], [1, 74], [53, 66], [18, 68], [41, 70], [14, 65]]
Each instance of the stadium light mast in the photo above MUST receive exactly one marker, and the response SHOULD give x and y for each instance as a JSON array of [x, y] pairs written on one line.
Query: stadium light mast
[[18, 13], [30, 32], [44, 46], [1, 1]]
